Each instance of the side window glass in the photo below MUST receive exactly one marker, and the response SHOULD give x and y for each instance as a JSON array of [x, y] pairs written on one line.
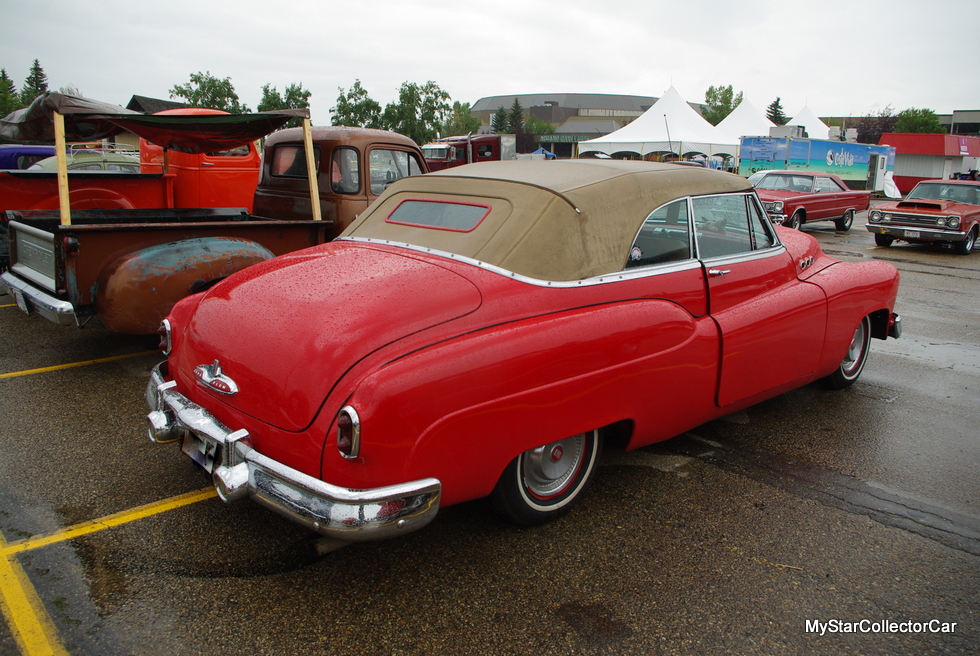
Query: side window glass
[[722, 225], [345, 171], [665, 236], [386, 166], [762, 234], [290, 161]]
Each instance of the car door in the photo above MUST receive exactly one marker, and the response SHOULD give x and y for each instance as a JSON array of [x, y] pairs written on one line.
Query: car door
[[827, 202], [771, 324]]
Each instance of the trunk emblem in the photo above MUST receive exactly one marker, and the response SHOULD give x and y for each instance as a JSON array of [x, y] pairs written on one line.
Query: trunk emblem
[[212, 377]]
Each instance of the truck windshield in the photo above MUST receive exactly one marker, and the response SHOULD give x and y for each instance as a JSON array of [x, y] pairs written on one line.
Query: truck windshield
[[957, 193]]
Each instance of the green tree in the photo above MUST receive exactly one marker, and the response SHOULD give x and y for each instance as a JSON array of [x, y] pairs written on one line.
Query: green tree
[[419, 112], [355, 108], [719, 103], [9, 100], [919, 120], [537, 126], [205, 90], [872, 126], [460, 121], [295, 97], [498, 124], [775, 112], [515, 118], [35, 84]]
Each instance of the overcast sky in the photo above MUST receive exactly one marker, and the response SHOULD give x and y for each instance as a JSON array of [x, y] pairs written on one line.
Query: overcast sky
[[839, 57]]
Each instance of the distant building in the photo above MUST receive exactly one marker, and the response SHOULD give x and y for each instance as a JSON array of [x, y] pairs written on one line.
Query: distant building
[[576, 116]]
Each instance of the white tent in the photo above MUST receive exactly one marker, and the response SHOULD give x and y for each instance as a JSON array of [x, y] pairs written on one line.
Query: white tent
[[815, 128], [671, 125], [746, 121]]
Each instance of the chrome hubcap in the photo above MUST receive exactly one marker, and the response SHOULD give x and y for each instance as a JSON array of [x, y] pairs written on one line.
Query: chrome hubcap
[[549, 469], [855, 350]]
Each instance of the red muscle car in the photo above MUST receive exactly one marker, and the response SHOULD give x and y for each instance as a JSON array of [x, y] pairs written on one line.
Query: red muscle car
[[806, 197], [478, 332], [934, 212]]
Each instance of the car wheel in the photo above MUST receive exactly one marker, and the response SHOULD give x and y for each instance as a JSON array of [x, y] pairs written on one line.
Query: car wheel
[[795, 221], [844, 223], [884, 240], [853, 363], [543, 483], [964, 247]]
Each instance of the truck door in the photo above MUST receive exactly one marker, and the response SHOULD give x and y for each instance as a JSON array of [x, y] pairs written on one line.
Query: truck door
[[771, 324], [228, 178]]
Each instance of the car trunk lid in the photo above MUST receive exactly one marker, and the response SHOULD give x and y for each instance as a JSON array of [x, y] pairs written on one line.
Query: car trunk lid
[[285, 331]]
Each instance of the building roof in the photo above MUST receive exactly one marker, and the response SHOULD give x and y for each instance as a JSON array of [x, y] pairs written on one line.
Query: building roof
[[947, 145]]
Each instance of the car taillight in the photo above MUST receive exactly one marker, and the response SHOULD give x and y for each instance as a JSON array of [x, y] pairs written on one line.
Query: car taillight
[[348, 432], [166, 337]]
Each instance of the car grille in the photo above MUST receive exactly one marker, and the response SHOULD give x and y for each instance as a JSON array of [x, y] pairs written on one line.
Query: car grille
[[916, 219]]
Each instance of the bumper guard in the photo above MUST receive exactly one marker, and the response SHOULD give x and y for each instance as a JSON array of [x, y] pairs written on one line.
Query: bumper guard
[[238, 470]]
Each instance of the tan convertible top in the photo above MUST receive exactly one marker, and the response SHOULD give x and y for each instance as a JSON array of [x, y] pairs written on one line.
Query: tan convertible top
[[560, 221]]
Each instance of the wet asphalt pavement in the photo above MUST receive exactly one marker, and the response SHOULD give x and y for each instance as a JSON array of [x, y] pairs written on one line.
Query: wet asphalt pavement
[[858, 509]]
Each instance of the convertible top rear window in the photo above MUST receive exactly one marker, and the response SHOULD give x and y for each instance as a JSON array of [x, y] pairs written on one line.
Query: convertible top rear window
[[439, 214]]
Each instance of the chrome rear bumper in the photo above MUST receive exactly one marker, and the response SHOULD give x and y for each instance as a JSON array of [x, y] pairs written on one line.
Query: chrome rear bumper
[[238, 470], [49, 307]]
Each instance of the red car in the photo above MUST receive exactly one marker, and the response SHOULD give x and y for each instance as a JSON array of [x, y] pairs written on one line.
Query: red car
[[934, 212], [478, 332], [793, 198]]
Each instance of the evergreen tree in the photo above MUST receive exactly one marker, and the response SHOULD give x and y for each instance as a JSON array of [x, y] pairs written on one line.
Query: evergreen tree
[[205, 90], [515, 118], [498, 124], [775, 112], [9, 100], [35, 84]]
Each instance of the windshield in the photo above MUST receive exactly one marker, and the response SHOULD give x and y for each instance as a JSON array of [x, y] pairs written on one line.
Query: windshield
[[786, 182], [958, 193]]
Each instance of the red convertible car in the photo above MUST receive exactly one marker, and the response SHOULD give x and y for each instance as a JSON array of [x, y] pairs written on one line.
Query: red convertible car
[[479, 331], [793, 198], [935, 212]]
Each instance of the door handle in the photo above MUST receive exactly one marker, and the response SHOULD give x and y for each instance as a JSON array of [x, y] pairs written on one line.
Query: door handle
[[718, 272]]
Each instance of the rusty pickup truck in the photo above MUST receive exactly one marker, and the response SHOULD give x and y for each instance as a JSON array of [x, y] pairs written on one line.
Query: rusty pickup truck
[[128, 266]]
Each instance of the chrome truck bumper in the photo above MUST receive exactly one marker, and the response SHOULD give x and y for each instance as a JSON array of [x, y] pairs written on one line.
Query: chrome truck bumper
[[30, 299], [239, 471]]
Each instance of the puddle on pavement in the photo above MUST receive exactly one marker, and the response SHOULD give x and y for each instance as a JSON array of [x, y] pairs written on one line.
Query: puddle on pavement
[[884, 505]]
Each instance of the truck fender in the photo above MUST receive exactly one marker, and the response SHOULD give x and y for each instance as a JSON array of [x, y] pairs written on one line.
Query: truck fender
[[136, 291]]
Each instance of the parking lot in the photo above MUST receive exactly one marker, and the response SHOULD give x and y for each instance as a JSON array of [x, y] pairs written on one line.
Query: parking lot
[[816, 522]]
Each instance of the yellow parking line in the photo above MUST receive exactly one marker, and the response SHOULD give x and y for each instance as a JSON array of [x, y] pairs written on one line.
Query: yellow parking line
[[42, 370], [8, 305], [23, 610]]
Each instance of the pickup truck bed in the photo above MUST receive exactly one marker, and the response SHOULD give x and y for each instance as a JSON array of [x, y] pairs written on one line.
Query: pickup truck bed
[[130, 266]]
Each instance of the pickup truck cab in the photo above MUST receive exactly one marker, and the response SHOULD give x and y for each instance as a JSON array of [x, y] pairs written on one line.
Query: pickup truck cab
[[934, 212], [354, 167], [793, 198]]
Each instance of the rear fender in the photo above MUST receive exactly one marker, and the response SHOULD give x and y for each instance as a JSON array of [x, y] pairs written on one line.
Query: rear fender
[[137, 290]]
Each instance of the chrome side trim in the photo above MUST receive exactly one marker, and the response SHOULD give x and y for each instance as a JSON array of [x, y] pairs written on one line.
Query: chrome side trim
[[49, 307], [605, 279], [238, 471]]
